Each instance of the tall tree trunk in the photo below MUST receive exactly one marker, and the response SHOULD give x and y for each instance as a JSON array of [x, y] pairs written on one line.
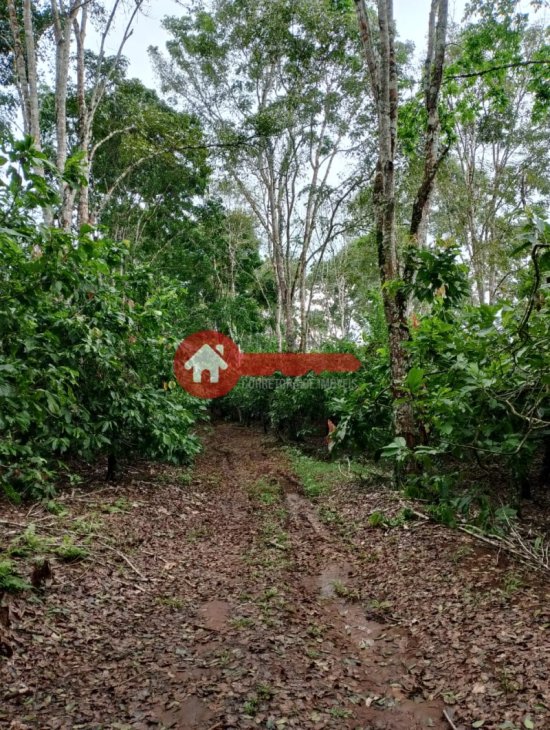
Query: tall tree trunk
[[290, 327], [381, 63], [382, 67], [278, 323], [20, 67], [27, 81], [62, 32], [84, 120], [302, 345], [433, 76], [32, 75]]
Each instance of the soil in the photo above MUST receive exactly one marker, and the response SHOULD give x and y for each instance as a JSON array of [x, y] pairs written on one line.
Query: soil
[[224, 598]]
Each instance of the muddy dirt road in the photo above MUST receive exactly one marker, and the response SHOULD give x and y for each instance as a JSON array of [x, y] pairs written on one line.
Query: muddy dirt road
[[227, 599]]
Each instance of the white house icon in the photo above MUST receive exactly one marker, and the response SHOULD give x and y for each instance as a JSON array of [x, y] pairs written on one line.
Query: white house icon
[[207, 359]]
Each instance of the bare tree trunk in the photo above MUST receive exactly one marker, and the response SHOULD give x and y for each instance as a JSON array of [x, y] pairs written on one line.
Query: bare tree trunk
[[433, 76], [84, 121], [302, 346], [395, 304], [27, 81], [64, 17], [32, 77], [62, 33], [382, 67], [20, 67], [290, 327], [278, 323]]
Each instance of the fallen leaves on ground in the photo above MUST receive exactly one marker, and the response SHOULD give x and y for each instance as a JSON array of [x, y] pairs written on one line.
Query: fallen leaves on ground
[[229, 600]]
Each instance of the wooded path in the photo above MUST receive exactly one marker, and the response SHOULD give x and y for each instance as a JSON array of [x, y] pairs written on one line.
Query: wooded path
[[226, 598]]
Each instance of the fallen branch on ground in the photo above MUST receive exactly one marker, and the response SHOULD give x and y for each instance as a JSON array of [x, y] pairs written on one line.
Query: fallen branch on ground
[[514, 544], [449, 720], [126, 560]]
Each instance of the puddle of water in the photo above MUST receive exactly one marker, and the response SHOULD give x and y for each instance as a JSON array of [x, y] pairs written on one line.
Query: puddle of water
[[333, 575], [214, 614], [383, 648], [191, 714]]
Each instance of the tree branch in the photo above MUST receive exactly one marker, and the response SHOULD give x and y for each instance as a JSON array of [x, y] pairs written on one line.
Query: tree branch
[[473, 74]]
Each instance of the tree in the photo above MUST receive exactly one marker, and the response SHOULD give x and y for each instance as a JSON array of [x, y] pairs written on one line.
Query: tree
[[346, 295], [278, 87], [66, 18], [495, 94], [150, 187], [150, 174], [86, 344], [381, 62]]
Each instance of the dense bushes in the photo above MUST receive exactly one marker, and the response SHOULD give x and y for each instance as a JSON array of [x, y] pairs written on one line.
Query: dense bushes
[[293, 407], [86, 345], [479, 377], [298, 407]]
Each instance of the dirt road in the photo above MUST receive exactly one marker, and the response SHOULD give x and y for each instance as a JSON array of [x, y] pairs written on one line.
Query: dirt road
[[227, 599]]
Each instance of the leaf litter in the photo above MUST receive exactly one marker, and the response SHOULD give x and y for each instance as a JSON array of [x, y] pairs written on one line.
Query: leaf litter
[[229, 600]]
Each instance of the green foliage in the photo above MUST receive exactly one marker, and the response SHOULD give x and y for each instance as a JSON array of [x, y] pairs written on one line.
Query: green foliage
[[478, 381], [29, 543], [293, 406], [87, 341], [438, 276], [364, 412], [55, 508], [266, 492], [379, 519], [10, 580], [376, 519], [69, 552]]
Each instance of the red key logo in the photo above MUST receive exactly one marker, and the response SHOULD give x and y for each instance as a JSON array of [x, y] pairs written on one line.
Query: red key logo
[[208, 364]]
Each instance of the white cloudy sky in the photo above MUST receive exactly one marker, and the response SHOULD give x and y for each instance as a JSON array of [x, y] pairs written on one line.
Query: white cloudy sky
[[411, 17]]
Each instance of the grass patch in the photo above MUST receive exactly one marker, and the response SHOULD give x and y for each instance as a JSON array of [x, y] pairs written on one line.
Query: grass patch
[[315, 630], [379, 607], [88, 525], [378, 519], [263, 694], [274, 536], [511, 583], [185, 478], [271, 548], [176, 604], [330, 516], [265, 492], [342, 591], [340, 713], [461, 554], [120, 505], [55, 508], [317, 477], [197, 533], [29, 543]]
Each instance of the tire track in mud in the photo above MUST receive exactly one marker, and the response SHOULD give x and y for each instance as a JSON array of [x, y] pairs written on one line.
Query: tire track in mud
[[384, 651]]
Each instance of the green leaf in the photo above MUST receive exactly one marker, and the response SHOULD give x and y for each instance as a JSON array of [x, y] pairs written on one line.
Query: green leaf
[[414, 379]]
